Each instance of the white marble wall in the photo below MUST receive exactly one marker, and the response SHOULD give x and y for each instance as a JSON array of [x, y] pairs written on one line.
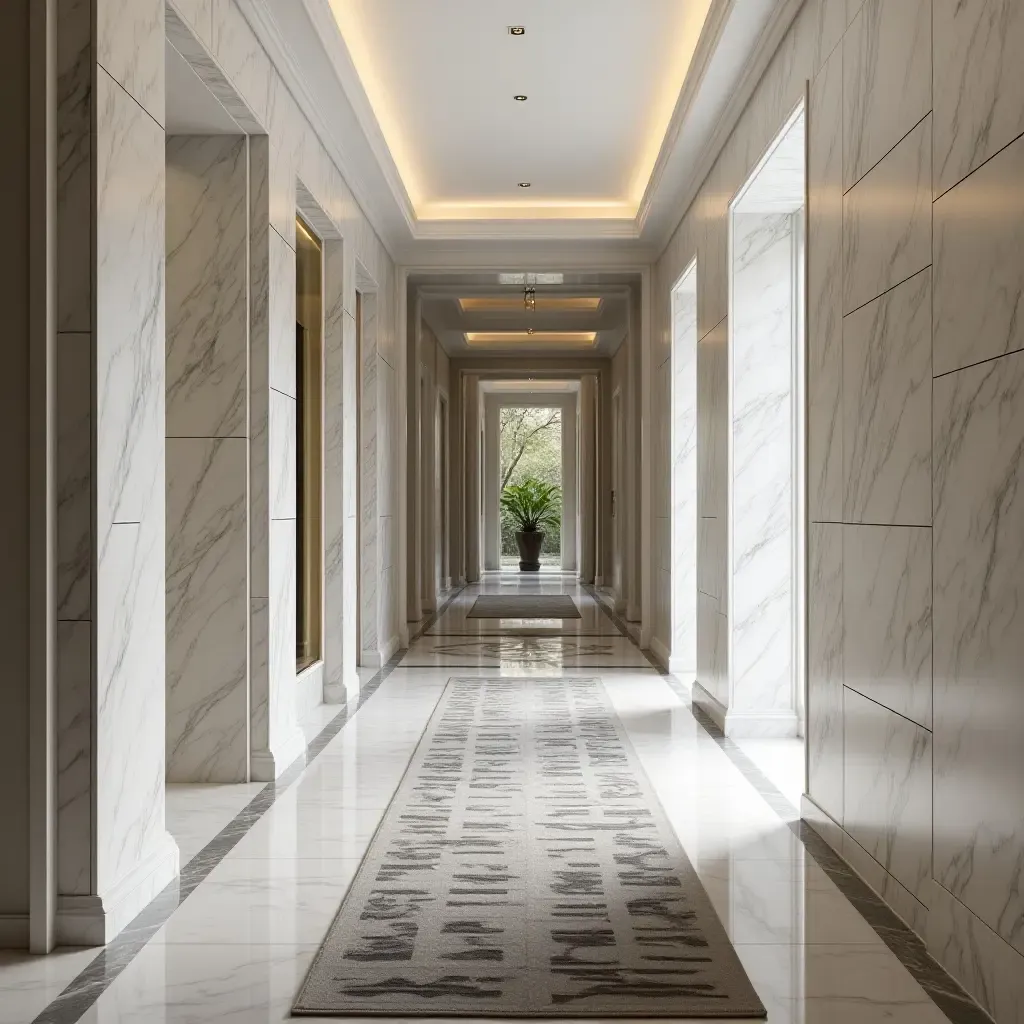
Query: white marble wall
[[207, 457], [761, 698], [914, 343], [113, 850], [680, 370], [275, 738], [341, 396]]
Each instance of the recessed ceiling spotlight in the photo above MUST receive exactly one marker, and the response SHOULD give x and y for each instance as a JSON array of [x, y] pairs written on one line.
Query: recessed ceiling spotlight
[[519, 98], [517, 30], [524, 184]]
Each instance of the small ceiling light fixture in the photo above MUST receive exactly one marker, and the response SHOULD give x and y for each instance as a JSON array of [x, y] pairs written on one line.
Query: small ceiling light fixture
[[520, 97], [524, 184], [517, 30]]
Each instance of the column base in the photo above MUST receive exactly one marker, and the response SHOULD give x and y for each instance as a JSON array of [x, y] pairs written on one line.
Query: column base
[[268, 765], [95, 920]]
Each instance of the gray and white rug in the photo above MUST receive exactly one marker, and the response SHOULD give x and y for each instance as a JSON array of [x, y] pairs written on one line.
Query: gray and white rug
[[524, 606], [526, 869]]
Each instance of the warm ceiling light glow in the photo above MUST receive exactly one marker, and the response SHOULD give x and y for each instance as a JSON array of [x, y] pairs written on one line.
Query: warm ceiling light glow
[[519, 98], [348, 15], [573, 339], [545, 304], [662, 109]]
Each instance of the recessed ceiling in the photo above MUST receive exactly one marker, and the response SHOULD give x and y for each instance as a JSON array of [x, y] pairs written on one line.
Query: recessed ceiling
[[532, 338], [473, 316], [541, 303], [602, 79]]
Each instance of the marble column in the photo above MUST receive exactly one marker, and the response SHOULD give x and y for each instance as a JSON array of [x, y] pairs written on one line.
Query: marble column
[[341, 553], [275, 738], [113, 851], [414, 461], [472, 441], [588, 477], [207, 459]]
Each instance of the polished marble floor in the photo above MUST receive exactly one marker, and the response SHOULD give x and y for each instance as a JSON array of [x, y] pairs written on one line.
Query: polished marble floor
[[236, 949]]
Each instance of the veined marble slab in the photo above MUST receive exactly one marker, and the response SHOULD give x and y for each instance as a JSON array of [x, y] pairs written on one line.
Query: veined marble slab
[[979, 641]]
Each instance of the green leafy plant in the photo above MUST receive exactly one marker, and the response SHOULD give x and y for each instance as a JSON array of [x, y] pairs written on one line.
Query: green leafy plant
[[532, 505]]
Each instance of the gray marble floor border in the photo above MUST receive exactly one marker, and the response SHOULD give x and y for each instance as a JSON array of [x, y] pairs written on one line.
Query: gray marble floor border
[[112, 959], [941, 988]]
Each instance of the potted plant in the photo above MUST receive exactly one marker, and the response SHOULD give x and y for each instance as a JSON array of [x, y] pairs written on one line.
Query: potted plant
[[532, 506]]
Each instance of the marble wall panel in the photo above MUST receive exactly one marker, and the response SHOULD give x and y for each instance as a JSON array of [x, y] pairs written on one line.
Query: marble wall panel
[[978, 106], [887, 221], [887, 804], [761, 496], [337, 403], [207, 610], [259, 366], [887, 80], [198, 15], [73, 643], [708, 621], [129, 726], [887, 589], [259, 679], [979, 641], [282, 456], [207, 286], [129, 344], [825, 666], [281, 299], [712, 422], [130, 49], [711, 556], [74, 395], [75, 185], [990, 968], [825, 298], [887, 407], [979, 264]]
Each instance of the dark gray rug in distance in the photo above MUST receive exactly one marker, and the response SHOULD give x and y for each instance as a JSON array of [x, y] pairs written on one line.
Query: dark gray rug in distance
[[526, 869], [524, 606]]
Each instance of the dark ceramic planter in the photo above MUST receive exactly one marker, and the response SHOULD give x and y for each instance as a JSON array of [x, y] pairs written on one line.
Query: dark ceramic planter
[[529, 550]]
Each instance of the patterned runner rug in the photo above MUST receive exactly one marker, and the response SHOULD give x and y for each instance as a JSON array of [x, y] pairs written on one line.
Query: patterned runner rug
[[524, 606], [526, 869]]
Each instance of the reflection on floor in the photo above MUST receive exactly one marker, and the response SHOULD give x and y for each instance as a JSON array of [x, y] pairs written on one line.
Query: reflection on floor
[[237, 948]]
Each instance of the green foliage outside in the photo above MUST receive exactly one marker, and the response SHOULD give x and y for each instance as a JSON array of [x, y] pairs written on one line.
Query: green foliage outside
[[531, 450]]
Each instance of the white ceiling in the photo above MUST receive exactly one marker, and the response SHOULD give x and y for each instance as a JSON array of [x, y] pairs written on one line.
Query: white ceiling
[[629, 102], [191, 108], [601, 79]]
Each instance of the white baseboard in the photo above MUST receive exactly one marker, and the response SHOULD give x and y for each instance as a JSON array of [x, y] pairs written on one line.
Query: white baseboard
[[758, 724], [13, 931], [268, 765], [95, 920]]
